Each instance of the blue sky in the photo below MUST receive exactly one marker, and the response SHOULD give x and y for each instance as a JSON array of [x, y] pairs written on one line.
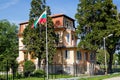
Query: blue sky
[[17, 11]]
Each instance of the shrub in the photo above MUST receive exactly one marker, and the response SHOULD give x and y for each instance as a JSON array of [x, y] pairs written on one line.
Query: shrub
[[19, 75], [29, 67], [39, 73]]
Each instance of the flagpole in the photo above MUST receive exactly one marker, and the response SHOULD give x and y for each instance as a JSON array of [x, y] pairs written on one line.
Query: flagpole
[[46, 47]]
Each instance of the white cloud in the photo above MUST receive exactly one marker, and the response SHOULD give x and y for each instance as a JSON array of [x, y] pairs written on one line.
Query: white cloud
[[8, 4]]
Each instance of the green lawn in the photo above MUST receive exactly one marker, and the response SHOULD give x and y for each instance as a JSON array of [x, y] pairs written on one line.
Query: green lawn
[[101, 77], [50, 77], [30, 78]]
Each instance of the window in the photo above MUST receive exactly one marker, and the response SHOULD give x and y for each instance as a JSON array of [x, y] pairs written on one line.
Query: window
[[91, 56], [79, 56], [85, 56], [66, 24], [59, 37], [67, 54], [68, 37], [72, 37]]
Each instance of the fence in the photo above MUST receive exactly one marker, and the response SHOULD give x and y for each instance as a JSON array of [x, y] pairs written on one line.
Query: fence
[[70, 69], [6, 73], [55, 71], [115, 68]]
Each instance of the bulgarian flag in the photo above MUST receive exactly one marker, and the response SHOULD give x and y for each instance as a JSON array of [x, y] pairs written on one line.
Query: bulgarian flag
[[41, 20]]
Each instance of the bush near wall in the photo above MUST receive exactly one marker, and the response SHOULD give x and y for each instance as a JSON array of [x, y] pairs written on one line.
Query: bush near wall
[[29, 67]]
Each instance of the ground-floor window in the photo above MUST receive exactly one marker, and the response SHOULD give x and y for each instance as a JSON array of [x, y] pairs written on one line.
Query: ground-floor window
[[67, 54], [92, 56], [85, 56], [79, 55]]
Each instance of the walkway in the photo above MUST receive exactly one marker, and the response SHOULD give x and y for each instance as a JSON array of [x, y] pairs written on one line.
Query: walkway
[[114, 78], [74, 78], [77, 78]]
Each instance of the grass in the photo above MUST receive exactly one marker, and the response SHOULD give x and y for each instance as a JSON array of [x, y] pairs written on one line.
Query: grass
[[59, 76], [101, 77], [31, 78], [53, 76]]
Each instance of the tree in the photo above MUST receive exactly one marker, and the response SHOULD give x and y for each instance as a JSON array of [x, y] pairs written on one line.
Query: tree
[[99, 58], [8, 44], [97, 19], [35, 39]]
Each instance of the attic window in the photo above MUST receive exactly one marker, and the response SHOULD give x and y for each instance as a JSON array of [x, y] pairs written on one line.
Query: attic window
[[57, 23]]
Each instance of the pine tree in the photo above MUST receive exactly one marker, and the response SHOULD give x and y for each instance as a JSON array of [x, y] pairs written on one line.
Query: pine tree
[[96, 20], [35, 39]]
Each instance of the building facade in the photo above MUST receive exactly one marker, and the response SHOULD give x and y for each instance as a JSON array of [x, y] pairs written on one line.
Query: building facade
[[68, 58]]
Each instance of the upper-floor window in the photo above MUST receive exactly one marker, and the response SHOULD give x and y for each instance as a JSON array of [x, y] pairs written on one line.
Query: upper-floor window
[[68, 37], [59, 36], [67, 54], [70, 25], [72, 37], [79, 56], [66, 23]]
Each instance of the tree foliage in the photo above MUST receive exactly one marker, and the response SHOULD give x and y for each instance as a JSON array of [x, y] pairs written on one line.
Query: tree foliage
[[96, 20], [35, 39], [8, 44], [118, 55]]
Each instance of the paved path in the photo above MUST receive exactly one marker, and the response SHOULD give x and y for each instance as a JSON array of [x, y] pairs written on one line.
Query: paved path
[[75, 78], [114, 78]]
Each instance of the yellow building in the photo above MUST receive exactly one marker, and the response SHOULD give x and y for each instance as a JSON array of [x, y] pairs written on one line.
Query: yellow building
[[68, 57]]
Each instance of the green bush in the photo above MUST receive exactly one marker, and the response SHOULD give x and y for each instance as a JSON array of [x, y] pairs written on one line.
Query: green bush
[[19, 75], [39, 73], [29, 67]]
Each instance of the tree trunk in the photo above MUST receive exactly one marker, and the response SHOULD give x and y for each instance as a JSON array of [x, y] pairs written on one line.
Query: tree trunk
[[110, 63]]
